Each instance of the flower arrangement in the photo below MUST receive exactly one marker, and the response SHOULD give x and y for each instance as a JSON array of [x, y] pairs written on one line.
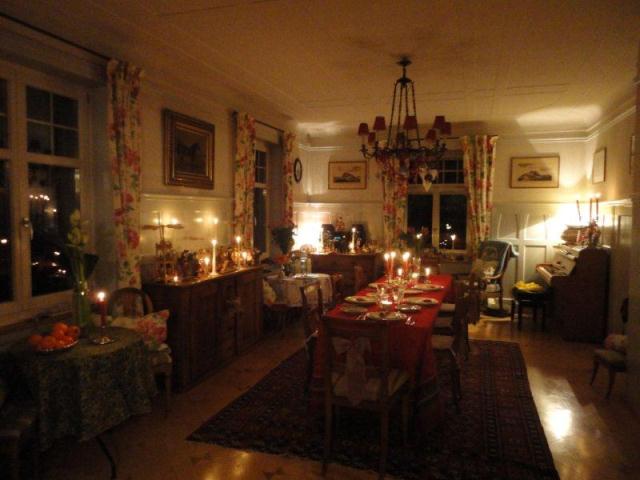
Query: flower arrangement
[[415, 240], [283, 237], [82, 266]]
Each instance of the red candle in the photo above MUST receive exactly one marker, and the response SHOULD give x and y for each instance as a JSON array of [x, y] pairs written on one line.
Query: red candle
[[103, 308]]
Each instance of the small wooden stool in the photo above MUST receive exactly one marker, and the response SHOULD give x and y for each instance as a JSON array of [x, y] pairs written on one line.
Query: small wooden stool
[[522, 298]]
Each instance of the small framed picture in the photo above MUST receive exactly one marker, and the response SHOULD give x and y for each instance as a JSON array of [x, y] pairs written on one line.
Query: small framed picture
[[535, 172], [348, 175], [189, 149], [599, 171]]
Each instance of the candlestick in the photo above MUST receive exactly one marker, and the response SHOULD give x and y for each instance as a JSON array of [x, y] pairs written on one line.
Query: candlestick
[[405, 260], [352, 247], [400, 272], [353, 238], [453, 240], [214, 242], [427, 273], [103, 308], [244, 259], [238, 241], [579, 215]]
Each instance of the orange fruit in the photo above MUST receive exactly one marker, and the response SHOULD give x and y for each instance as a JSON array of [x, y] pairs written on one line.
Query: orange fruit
[[66, 340], [58, 333], [73, 331], [34, 340], [60, 326], [48, 342]]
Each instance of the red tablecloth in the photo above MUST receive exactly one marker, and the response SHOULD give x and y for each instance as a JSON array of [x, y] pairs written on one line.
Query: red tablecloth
[[410, 345]]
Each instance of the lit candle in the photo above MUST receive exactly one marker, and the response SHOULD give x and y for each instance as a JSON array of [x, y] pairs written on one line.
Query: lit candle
[[352, 247], [353, 237], [214, 242], [405, 260], [453, 241], [244, 258], [206, 264], [387, 263], [176, 279], [103, 308], [427, 273], [238, 241], [400, 272]]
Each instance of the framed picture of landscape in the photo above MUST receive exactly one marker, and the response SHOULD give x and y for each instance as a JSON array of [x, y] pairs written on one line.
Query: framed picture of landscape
[[348, 175], [535, 172], [189, 146]]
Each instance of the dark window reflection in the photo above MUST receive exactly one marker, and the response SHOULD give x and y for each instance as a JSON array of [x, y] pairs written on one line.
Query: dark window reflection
[[261, 166], [420, 215], [53, 195], [260, 219], [52, 126], [453, 222], [6, 283]]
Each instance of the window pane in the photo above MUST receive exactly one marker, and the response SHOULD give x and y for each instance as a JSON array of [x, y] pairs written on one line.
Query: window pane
[[53, 196], [6, 283], [453, 221], [260, 219], [38, 138], [38, 104], [65, 111], [66, 142], [261, 167], [420, 214]]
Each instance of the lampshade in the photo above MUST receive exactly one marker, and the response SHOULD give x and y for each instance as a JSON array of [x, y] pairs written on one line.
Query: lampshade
[[439, 122], [372, 138], [379, 124], [363, 129], [410, 122], [432, 135], [446, 129]]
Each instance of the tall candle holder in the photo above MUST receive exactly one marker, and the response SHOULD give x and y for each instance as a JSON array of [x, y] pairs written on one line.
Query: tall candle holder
[[102, 338]]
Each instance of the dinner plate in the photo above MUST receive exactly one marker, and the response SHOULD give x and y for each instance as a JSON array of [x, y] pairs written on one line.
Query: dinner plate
[[422, 301], [47, 351], [361, 300], [386, 316], [408, 308], [353, 309], [412, 291], [371, 294], [376, 285], [428, 287]]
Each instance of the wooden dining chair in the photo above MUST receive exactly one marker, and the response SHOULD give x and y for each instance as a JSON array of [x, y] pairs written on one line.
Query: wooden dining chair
[[337, 285], [454, 320], [382, 386], [133, 302], [310, 315], [359, 278]]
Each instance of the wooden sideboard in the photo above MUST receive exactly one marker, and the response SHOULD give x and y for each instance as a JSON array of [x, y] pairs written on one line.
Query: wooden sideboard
[[212, 320], [343, 263]]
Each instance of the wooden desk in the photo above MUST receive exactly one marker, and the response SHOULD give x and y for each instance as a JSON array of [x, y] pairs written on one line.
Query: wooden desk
[[212, 321], [344, 262]]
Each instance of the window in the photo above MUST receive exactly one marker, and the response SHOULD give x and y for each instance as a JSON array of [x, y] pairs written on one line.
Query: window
[[443, 214], [260, 193], [450, 170], [41, 169]]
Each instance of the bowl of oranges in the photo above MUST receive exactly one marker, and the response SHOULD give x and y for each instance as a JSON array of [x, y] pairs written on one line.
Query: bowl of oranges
[[62, 337]]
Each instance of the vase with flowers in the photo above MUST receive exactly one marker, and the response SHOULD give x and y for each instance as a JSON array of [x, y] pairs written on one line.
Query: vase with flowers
[[282, 236], [82, 266]]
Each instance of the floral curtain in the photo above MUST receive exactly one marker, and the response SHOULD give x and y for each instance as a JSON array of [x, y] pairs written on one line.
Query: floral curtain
[[394, 198], [124, 151], [479, 157], [244, 177], [287, 173]]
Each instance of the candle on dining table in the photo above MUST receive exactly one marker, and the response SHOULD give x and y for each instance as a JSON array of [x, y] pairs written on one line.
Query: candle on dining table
[[400, 272], [103, 308], [405, 260], [214, 243], [427, 272], [392, 262]]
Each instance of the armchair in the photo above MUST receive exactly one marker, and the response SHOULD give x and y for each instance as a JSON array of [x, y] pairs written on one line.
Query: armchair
[[490, 266]]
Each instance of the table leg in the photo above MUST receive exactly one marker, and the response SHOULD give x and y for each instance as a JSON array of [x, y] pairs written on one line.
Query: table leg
[[107, 453]]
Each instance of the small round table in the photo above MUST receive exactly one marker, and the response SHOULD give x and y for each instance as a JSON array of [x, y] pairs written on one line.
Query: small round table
[[90, 388], [534, 300]]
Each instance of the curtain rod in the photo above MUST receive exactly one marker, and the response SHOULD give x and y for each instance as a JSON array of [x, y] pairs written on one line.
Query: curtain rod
[[263, 124], [54, 36]]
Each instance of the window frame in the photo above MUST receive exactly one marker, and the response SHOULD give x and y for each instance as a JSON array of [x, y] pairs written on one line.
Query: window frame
[[436, 191], [262, 147], [24, 304]]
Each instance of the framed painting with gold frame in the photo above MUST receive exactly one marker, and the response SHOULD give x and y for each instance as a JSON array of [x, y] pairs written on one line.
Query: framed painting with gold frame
[[599, 169], [348, 175], [188, 150]]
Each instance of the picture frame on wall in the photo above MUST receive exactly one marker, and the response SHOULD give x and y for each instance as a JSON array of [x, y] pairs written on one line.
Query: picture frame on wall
[[188, 151], [599, 170], [349, 175], [535, 172]]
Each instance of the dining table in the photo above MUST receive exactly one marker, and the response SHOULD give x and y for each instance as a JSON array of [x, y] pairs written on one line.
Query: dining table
[[410, 346]]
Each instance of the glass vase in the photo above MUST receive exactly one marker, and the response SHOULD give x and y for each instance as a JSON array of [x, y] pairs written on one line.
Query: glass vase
[[81, 305]]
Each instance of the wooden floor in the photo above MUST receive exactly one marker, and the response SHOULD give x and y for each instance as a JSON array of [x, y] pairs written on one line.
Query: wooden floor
[[590, 438]]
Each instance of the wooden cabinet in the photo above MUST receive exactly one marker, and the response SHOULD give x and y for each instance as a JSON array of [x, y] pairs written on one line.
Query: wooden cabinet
[[343, 263], [211, 321]]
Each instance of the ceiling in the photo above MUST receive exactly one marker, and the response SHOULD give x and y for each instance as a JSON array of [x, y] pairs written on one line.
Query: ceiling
[[518, 66]]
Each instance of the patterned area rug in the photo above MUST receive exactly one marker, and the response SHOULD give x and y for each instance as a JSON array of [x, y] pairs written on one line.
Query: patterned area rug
[[497, 435]]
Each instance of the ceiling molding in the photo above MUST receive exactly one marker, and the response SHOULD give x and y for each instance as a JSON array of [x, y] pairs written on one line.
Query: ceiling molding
[[329, 148]]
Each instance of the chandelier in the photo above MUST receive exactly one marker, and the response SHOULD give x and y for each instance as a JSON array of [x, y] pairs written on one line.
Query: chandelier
[[403, 139]]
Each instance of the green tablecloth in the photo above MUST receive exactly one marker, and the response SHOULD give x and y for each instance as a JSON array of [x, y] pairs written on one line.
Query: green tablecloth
[[90, 388]]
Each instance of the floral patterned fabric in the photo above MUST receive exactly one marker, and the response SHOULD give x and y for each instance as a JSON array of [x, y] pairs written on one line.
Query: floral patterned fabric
[[244, 178], [89, 389], [479, 157], [152, 327], [394, 200], [287, 180], [124, 151]]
